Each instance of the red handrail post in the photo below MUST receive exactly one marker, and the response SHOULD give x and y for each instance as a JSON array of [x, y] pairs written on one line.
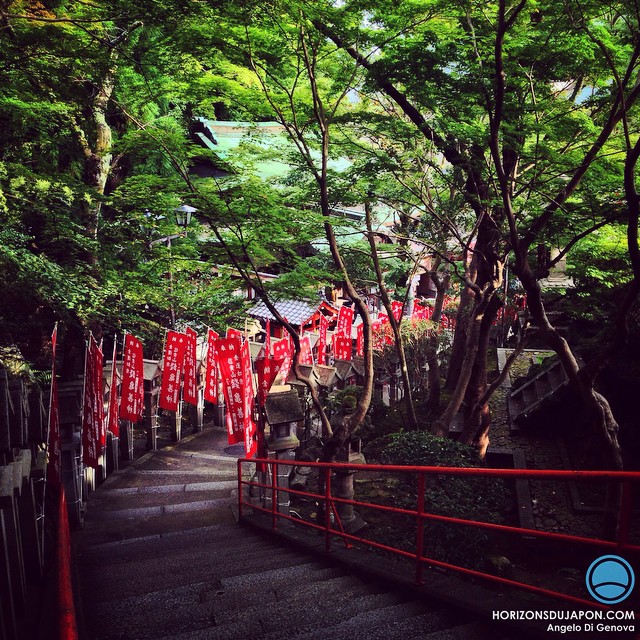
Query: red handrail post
[[420, 528], [66, 607], [327, 508], [239, 488], [274, 494]]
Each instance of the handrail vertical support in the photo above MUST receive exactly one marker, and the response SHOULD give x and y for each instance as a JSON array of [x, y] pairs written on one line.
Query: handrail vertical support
[[239, 488], [327, 508], [420, 528], [274, 494]]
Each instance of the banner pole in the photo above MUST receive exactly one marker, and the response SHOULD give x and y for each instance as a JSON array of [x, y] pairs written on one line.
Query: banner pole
[[52, 389]]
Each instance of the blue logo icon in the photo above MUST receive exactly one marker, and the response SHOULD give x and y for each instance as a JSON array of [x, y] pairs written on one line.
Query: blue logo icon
[[610, 579]]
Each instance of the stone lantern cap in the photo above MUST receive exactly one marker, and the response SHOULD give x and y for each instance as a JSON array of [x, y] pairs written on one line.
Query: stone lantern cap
[[283, 407]]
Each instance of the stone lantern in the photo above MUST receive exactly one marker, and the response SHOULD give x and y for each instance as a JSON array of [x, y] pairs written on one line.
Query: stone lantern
[[350, 520], [283, 412]]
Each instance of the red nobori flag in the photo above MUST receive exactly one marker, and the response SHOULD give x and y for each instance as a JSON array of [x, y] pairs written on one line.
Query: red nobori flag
[[53, 427], [419, 311], [190, 368], [282, 351], [345, 320], [305, 351], [267, 369], [396, 309], [235, 333], [360, 339], [322, 340], [173, 362], [132, 390], [248, 394], [211, 378], [112, 420], [92, 408], [229, 356], [342, 347]]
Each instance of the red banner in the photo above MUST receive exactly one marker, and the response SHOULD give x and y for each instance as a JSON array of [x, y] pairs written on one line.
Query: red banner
[[229, 356], [173, 363], [113, 423], [305, 351], [132, 400], [360, 339], [322, 340], [421, 312], [282, 351], [248, 394], [211, 377], [247, 373], [190, 392], [396, 309], [345, 320], [235, 333], [342, 347], [54, 440], [267, 370], [92, 406]]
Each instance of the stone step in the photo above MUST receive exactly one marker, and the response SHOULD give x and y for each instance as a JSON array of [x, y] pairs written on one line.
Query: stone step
[[165, 543], [375, 620], [134, 497], [177, 610], [319, 617], [101, 530], [112, 580], [146, 508], [468, 631]]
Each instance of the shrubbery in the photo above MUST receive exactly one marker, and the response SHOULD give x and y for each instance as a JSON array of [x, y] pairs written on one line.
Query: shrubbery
[[473, 498]]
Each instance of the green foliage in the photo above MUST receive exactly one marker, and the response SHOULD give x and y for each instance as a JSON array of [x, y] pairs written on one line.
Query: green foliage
[[601, 260], [474, 498]]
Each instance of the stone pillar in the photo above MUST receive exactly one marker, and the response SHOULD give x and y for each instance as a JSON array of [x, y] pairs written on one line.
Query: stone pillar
[[282, 443], [126, 440], [150, 420], [342, 487], [176, 432]]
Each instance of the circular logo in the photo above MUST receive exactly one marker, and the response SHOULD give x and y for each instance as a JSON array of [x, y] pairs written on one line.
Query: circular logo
[[610, 579]]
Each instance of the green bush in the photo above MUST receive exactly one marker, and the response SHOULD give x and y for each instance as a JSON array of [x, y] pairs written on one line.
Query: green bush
[[471, 498]]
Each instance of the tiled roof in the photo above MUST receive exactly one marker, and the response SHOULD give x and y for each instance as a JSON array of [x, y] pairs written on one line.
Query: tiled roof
[[326, 375], [344, 369], [295, 311], [358, 365], [305, 369]]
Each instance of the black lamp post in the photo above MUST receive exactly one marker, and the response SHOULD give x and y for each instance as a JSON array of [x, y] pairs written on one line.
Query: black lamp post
[[183, 215]]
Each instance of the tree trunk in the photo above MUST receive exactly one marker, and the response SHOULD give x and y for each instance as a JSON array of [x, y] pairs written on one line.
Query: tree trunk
[[460, 336], [476, 424], [441, 426], [395, 325], [435, 388]]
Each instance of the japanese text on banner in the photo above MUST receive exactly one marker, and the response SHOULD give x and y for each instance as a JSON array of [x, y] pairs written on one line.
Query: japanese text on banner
[[190, 368], [211, 377], [132, 395], [173, 363], [229, 357]]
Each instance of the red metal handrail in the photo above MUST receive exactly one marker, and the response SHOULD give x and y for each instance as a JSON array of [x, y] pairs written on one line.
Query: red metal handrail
[[66, 608], [421, 514]]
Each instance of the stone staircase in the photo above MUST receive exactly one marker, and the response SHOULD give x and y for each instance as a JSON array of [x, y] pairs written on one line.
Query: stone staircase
[[529, 397], [161, 556]]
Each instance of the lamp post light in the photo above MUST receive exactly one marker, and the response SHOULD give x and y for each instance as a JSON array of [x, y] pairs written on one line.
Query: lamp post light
[[183, 215]]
